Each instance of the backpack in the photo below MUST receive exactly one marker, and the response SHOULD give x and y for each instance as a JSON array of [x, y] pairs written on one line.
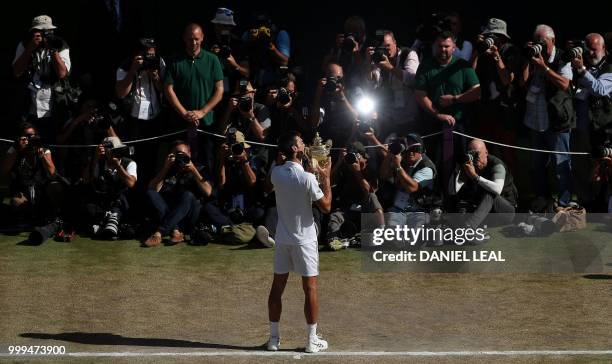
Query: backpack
[[237, 234]]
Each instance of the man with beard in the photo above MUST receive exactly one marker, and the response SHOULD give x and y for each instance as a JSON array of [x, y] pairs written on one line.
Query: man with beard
[[444, 85], [593, 105]]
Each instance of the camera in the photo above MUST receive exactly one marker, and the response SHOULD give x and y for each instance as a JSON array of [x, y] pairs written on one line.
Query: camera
[[396, 147], [120, 152], [380, 50], [333, 83], [379, 53], [53, 41], [575, 48], [534, 50], [351, 158], [34, 142], [106, 116], [284, 96], [181, 159], [261, 35], [236, 147], [487, 43], [470, 156], [150, 62], [245, 103]]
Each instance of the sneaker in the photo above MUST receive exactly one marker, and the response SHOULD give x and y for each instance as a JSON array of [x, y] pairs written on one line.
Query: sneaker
[[273, 343], [263, 235], [316, 344]]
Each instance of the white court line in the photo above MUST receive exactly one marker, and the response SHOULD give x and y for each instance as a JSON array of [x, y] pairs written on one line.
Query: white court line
[[330, 353]]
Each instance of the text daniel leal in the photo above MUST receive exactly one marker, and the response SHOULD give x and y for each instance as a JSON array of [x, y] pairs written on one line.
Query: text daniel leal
[[439, 256]]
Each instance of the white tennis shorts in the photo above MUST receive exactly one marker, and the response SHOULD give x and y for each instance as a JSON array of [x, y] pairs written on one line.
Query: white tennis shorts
[[302, 259]]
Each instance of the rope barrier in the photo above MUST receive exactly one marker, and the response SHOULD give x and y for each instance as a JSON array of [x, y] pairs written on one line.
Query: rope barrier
[[274, 146], [521, 148]]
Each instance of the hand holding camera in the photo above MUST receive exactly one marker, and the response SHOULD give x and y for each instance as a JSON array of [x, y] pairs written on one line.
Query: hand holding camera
[[137, 62]]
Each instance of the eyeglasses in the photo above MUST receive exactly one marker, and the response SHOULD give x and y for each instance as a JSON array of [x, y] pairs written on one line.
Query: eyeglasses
[[225, 11]]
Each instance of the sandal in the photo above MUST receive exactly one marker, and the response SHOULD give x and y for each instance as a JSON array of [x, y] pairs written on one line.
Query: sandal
[[154, 240], [176, 237]]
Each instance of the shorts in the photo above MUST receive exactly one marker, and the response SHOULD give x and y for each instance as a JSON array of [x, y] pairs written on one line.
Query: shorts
[[301, 259]]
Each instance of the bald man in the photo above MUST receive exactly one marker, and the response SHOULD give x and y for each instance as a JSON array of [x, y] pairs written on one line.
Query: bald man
[[194, 86], [485, 182], [593, 107]]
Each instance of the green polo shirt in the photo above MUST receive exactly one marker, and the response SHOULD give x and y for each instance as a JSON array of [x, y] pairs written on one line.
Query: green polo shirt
[[452, 79], [194, 80]]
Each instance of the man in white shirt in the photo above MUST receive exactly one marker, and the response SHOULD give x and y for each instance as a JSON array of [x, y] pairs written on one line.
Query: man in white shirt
[[44, 59], [296, 236]]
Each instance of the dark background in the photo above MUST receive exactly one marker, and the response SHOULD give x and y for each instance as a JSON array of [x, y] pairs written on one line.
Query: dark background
[[97, 48]]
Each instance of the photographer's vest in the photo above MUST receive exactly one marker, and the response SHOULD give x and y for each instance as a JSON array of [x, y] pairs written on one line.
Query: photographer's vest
[[422, 198], [561, 113], [600, 108], [63, 96], [394, 95]]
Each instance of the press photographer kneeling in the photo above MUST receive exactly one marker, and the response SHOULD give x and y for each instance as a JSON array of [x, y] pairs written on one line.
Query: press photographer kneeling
[[236, 199], [35, 192], [111, 174], [175, 195], [482, 185]]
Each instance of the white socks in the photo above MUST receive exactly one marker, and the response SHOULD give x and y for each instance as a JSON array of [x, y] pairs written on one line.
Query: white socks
[[274, 329], [312, 330]]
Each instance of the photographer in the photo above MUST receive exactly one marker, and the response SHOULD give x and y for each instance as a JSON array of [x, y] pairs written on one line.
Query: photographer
[[43, 60], [35, 193], [238, 200], [267, 49], [251, 118], [357, 183], [413, 175], [139, 85], [483, 185], [496, 62], [331, 112], [93, 122], [287, 110], [175, 194], [444, 86], [111, 174], [229, 48], [593, 103], [393, 73], [549, 111]]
